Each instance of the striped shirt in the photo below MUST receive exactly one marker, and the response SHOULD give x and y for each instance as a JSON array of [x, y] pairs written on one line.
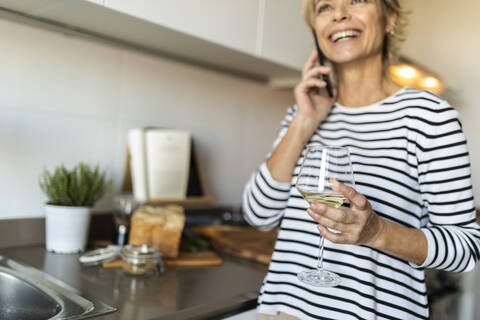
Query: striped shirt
[[410, 159]]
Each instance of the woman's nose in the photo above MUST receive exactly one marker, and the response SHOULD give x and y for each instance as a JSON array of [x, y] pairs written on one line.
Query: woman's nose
[[341, 12]]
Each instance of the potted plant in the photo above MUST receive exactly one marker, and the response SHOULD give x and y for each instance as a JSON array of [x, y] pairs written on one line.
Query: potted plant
[[71, 195]]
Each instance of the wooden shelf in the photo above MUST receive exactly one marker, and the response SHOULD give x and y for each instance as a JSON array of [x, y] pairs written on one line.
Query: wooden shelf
[[204, 200]]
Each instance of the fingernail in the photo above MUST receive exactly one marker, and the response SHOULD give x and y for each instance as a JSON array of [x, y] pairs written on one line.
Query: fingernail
[[318, 206], [334, 183], [321, 229]]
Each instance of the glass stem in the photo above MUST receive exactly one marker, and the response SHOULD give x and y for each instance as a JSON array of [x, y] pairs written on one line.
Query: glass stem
[[320, 255], [122, 230]]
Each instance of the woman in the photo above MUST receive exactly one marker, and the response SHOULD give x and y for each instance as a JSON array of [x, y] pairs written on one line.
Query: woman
[[412, 207]]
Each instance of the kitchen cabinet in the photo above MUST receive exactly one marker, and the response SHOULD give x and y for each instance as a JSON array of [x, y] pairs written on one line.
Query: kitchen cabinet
[[286, 38], [220, 35], [100, 2], [272, 29], [229, 23], [27, 6]]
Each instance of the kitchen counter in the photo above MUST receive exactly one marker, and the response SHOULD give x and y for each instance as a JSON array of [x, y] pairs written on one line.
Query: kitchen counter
[[179, 293]]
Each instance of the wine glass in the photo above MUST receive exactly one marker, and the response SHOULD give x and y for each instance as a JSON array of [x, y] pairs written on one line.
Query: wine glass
[[123, 205], [321, 165]]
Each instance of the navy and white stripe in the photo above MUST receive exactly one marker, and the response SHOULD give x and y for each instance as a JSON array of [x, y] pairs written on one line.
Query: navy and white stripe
[[410, 159]]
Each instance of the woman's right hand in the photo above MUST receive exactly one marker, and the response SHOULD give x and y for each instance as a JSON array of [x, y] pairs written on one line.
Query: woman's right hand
[[313, 106]]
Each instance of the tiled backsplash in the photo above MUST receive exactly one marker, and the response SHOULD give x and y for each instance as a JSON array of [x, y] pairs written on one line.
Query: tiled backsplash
[[20, 232]]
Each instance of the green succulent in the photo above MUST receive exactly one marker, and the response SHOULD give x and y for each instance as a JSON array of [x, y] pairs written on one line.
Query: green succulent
[[80, 187]]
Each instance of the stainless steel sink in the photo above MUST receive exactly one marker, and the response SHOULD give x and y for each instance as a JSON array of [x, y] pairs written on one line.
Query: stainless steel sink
[[27, 293]]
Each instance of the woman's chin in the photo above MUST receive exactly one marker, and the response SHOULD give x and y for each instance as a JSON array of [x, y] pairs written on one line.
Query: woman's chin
[[343, 60], [346, 58]]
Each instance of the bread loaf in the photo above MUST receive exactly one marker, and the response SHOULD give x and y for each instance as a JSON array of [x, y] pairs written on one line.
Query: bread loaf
[[160, 227]]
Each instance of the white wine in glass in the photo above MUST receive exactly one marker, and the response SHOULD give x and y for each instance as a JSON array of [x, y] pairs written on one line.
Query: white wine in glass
[[330, 199], [321, 165]]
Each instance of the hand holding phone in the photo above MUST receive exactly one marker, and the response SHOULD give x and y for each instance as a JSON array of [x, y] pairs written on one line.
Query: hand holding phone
[[321, 61]]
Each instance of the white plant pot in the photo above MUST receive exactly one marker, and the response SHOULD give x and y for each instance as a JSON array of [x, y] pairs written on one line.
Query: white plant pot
[[66, 228]]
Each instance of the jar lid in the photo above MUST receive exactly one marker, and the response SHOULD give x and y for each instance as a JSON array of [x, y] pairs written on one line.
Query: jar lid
[[140, 251], [99, 256]]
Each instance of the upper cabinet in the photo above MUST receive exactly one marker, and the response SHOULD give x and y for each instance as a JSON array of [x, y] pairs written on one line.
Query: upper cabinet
[[100, 2], [264, 40], [229, 23], [286, 38]]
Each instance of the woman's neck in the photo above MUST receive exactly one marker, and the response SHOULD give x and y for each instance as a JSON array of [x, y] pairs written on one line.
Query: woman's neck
[[363, 83]]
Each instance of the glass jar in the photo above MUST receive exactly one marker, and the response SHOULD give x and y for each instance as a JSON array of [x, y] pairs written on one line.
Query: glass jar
[[141, 260]]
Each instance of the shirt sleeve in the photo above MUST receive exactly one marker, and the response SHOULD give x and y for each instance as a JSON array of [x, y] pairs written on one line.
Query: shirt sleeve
[[264, 198], [452, 232]]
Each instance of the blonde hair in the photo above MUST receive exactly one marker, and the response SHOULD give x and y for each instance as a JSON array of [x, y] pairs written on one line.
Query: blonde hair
[[393, 38]]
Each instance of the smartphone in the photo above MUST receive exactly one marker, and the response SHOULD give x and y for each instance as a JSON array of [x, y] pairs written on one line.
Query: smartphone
[[321, 61]]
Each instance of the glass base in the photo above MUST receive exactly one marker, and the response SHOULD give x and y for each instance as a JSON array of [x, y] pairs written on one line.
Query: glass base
[[318, 278]]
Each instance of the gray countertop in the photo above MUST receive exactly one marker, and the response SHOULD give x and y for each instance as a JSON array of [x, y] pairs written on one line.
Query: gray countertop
[[179, 293]]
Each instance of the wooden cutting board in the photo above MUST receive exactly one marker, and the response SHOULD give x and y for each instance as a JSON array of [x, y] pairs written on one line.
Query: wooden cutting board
[[204, 258], [245, 242], [191, 259]]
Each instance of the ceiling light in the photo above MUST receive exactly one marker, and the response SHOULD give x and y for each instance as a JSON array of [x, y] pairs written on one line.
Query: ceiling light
[[406, 72], [430, 82], [409, 74]]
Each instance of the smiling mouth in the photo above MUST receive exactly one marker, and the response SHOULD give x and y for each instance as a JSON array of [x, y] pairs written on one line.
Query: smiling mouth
[[344, 35]]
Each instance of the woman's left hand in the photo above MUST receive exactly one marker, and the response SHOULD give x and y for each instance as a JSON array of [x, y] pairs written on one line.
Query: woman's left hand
[[357, 225]]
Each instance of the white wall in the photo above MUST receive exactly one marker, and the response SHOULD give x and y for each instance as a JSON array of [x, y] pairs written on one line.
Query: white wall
[[65, 100], [443, 36]]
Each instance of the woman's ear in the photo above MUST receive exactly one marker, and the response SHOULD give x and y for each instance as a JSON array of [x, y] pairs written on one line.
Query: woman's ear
[[390, 22]]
